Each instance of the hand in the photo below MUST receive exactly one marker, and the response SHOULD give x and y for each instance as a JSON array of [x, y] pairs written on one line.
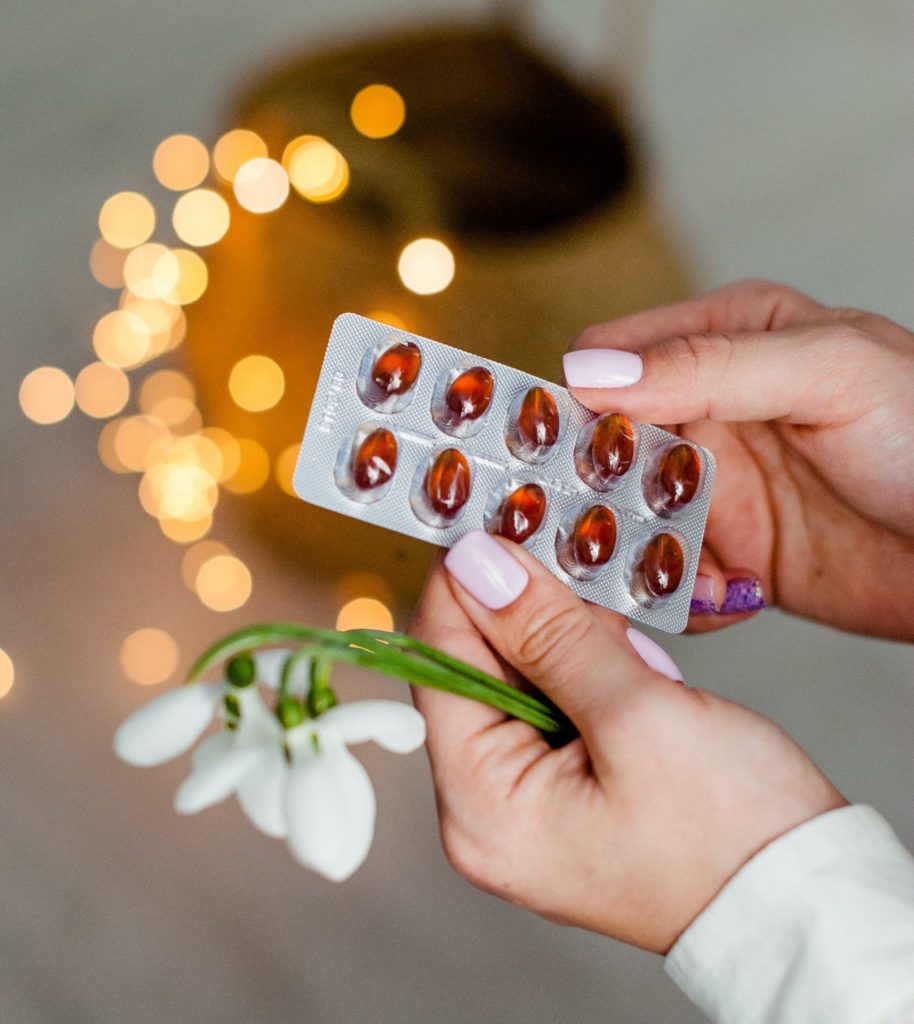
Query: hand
[[809, 412], [631, 829]]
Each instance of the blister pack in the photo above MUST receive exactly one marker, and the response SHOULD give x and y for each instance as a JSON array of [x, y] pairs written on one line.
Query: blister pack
[[433, 442]]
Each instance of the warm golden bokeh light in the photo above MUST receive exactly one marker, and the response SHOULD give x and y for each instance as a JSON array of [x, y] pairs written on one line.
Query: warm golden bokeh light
[[195, 556], [426, 266], [163, 321], [261, 185], [317, 170], [201, 217], [253, 467], [180, 162], [183, 531], [46, 395], [134, 439], [121, 338], [364, 584], [106, 262], [384, 316], [177, 490], [7, 673], [365, 613], [102, 390], [192, 277], [107, 451], [256, 383], [126, 220], [234, 149], [149, 656], [223, 583], [378, 111], [164, 384], [284, 468], [151, 271]]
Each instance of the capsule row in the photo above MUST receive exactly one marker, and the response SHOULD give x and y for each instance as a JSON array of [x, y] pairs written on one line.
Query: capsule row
[[603, 454], [586, 537]]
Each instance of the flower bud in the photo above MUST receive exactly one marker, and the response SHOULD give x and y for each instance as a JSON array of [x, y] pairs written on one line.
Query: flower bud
[[290, 712], [241, 670]]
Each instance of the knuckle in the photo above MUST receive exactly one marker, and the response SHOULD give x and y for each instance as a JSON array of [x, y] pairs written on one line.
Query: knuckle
[[548, 634]]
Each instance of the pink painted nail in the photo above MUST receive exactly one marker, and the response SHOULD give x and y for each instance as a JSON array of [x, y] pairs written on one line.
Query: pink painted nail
[[653, 654], [602, 368], [703, 598], [486, 569]]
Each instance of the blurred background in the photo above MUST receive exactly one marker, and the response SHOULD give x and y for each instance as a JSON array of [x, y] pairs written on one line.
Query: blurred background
[[157, 351]]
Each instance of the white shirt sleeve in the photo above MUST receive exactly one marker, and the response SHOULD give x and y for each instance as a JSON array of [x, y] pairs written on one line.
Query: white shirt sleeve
[[817, 927]]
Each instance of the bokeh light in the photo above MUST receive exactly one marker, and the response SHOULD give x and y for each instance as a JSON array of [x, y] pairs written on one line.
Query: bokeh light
[[365, 613], [284, 467], [195, 556], [426, 266], [106, 262], [126, 220], [234, 149], [180, 162], [261, 185], [163, 385], [102, 390], [149, 656], [121, 338], [151, 271], [185, 531], [193, 277], [378, 111], [318, 171], [256, 383], [253, 469], [223, 583], [46, 395], [107, 450], [201, 217], [229, 450], [384, 316], [135, 437], [7, 673]]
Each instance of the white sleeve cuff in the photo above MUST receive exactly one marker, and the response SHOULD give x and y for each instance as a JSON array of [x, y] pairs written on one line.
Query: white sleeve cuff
[[818, 926]]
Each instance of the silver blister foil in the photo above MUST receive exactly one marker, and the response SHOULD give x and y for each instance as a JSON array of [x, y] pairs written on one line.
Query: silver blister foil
[[339, 414]]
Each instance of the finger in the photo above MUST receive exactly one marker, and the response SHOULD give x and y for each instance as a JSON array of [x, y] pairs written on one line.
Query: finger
[[734, 595], [582, 661], [452, 721], [804, 375], [740, 307]]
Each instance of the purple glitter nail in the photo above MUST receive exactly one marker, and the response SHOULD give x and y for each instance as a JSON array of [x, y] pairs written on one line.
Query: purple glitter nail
[[743, 595], [702, 607]]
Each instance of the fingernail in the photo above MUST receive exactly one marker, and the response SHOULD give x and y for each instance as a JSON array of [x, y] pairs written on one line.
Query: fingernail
[[602, 368], [703, 602], [743, 595], [653, 654], [486, 569]]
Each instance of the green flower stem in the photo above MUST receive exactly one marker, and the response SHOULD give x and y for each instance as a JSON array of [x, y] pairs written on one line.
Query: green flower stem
[[393, 654]]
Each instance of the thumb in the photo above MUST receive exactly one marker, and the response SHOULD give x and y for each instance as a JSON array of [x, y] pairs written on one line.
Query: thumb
[[583, 661], [800, 375]]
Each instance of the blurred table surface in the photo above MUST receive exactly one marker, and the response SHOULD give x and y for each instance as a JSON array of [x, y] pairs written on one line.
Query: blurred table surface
[[779, 140]]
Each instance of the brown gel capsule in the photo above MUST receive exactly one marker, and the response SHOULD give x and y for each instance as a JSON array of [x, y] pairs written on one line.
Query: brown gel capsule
[[375, 460], [469, 394], [678, 476], [612, 448], [663, 564], [594, 537], [522, 512], [447, 483], [394, 371], [538, 419]]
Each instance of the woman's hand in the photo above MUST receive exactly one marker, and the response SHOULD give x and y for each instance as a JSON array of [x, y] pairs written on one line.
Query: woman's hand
[[631, 829], [809, 412]]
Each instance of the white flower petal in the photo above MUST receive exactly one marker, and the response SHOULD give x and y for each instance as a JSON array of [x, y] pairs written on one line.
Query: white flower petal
[[262, 794], [214, 782], [392, 725], [330, 807], [269, 668], [168, 725], [210, 750]]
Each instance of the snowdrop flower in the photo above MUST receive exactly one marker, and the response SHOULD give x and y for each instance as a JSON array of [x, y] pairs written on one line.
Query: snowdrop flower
[[297, 781]]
